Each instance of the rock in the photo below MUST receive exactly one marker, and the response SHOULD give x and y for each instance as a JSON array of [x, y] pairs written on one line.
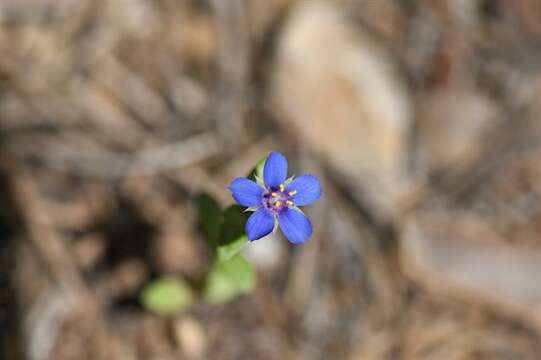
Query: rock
[[338, 90], [453, 128], [460, 253]]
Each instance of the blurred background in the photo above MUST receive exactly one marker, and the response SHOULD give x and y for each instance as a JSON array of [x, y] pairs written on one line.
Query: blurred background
[[420, 117]]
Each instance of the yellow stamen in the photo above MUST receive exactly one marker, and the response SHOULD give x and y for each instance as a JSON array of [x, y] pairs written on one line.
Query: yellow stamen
[[282, 188], [289, 203], [293, 192], [274, 194], [278, 203]]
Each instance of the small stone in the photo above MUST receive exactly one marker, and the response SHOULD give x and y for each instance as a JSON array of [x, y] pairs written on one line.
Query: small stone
[[190, 337]]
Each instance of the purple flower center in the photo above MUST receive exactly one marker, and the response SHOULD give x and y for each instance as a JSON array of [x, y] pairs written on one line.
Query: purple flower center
[[277, 200]]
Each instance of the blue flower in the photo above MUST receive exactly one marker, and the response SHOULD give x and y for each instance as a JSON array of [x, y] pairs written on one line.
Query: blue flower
[[275, 200]]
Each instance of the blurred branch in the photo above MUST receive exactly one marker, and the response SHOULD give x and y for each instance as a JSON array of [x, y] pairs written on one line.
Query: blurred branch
[[43, 237], [43, 324], [148, 106], [146, 162], [234, 67], [51, 249]]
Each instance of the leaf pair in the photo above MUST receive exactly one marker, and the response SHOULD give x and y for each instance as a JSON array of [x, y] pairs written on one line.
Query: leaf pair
[[231, 274]]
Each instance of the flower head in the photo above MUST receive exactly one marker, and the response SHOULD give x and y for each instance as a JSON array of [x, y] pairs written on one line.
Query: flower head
[[275, 200]]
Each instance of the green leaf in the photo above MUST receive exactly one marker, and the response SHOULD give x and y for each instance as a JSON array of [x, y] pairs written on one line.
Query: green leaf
[[167, 296], [232, 235], [256, 173], [210, 215], [229, 279]]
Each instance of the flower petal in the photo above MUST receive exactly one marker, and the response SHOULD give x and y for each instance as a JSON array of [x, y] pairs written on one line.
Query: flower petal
[[275, 170], [308, 190], [259, 224], [295, 226], [246, 192]]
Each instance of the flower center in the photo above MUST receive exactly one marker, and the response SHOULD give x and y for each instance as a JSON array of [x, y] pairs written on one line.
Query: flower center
[[277, 200]]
